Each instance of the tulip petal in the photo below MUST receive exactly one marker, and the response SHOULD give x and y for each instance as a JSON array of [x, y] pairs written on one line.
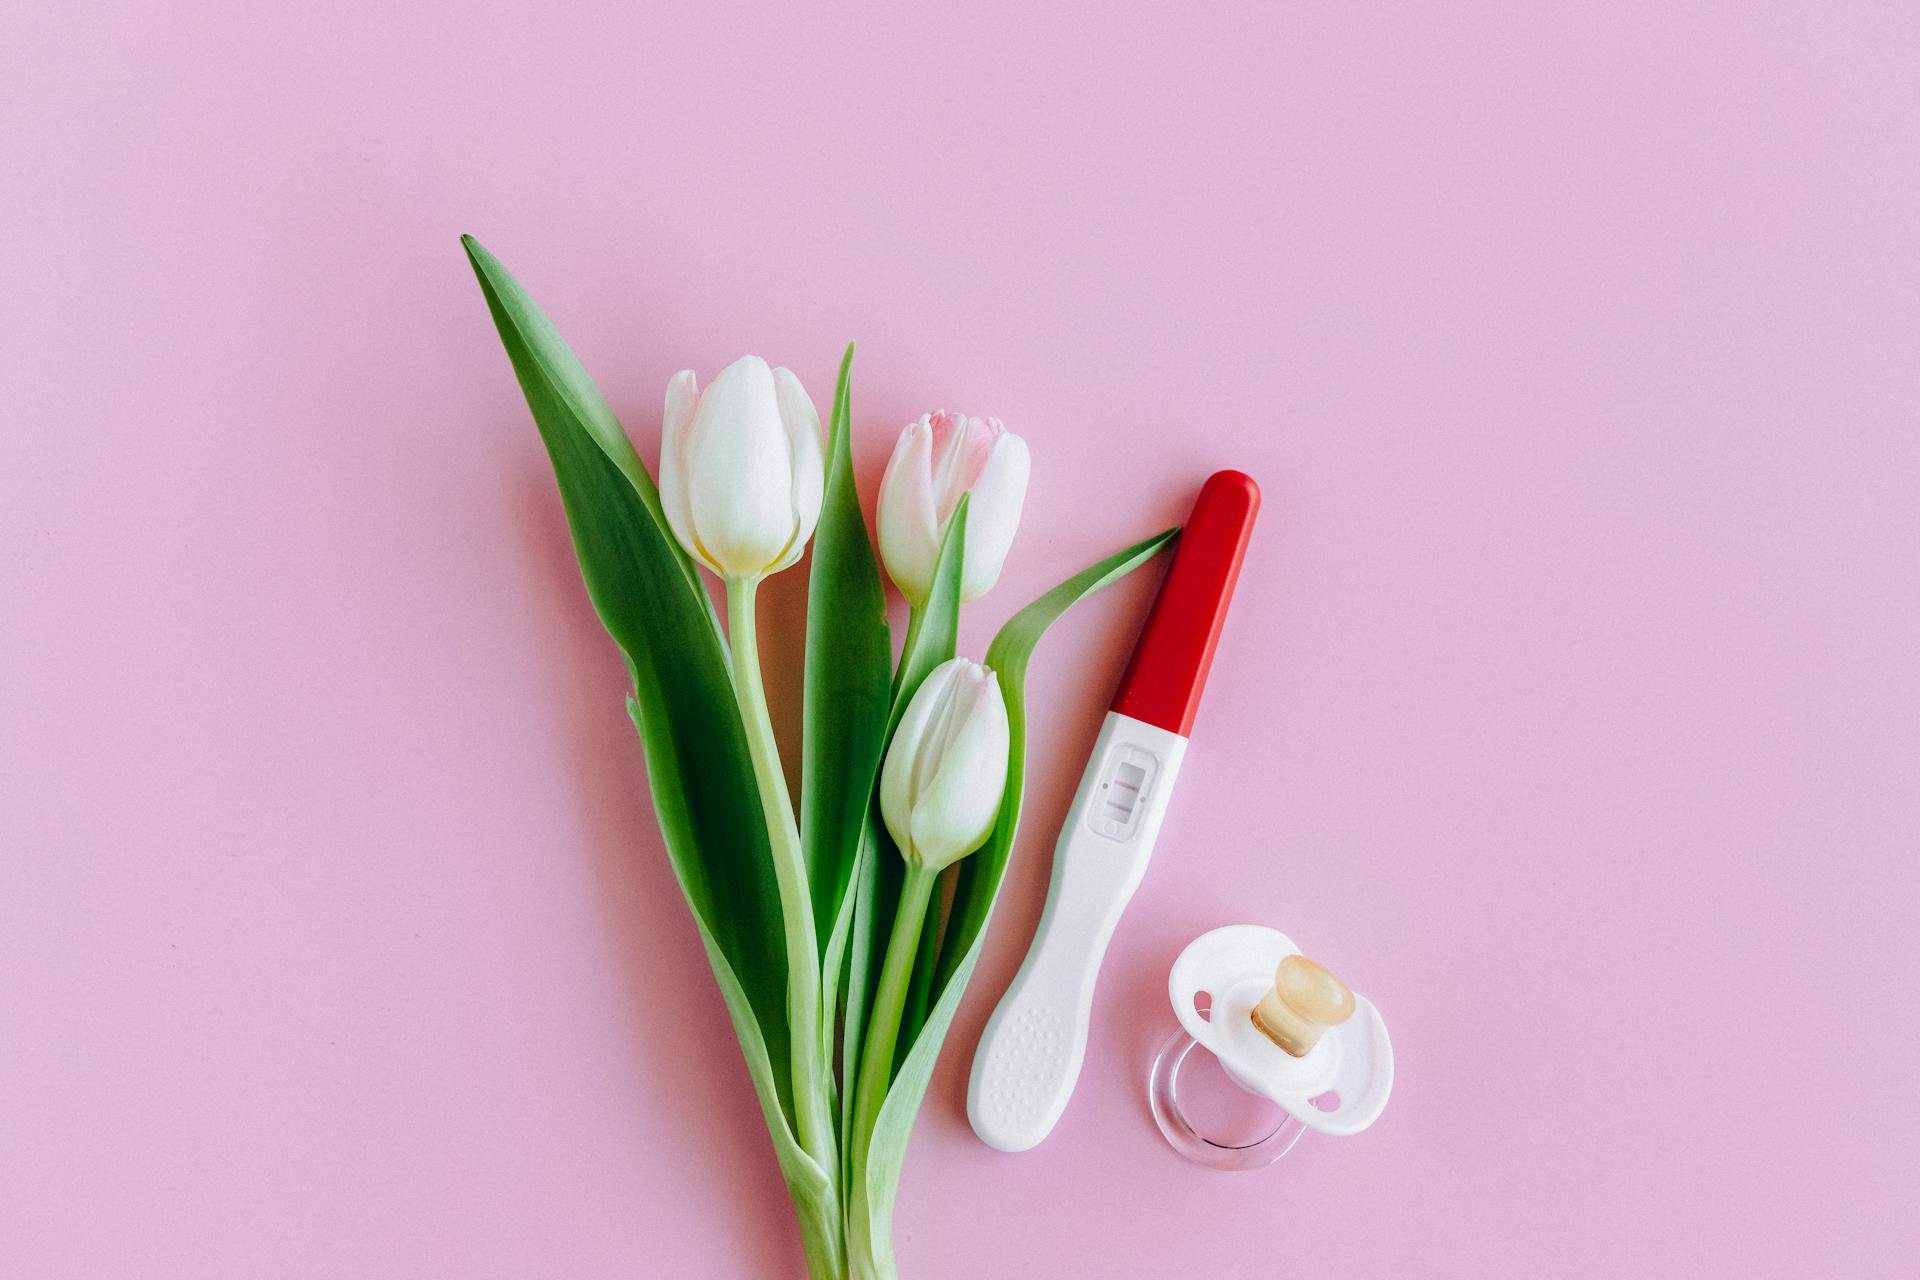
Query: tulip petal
[[972, 445], [898, 776], [683, 397], [930, 748], [950, 473], [909, 529], [738, 465], [946, 772], [955, 810], [809, 472], [993, 514]]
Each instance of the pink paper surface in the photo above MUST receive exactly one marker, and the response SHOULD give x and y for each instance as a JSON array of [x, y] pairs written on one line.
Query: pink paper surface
[[1570, 707]]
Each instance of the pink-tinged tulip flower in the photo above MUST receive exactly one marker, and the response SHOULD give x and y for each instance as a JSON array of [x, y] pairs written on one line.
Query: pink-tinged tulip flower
[[741, 472], [946, 769], [937, 459]]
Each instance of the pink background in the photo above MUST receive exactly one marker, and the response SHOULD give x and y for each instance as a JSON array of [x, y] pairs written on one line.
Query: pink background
[[1570, 707]]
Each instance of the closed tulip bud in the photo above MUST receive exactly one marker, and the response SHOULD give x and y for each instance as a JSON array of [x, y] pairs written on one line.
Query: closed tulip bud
[[946, 771], [937, 459], [740, 468]]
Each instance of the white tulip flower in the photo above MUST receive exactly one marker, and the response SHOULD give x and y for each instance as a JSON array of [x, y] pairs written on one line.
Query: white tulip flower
[[741, 472], [937, 459], [946, 771]]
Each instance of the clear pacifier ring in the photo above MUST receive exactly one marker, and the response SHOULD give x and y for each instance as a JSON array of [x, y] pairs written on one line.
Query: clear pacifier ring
[[1163, 1094]]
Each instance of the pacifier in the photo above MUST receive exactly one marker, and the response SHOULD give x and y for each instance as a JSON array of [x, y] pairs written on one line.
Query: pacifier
[[1283, 1029]]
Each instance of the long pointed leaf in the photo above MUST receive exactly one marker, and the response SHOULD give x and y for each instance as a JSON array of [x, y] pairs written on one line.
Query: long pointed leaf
[[847, 678], [682, 702], [536, 348]]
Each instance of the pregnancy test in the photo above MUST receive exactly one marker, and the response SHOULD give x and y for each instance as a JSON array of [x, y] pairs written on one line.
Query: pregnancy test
[[1030, 1053]]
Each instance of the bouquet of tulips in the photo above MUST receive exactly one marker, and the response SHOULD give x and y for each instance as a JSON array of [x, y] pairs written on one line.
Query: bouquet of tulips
[[842, 935]]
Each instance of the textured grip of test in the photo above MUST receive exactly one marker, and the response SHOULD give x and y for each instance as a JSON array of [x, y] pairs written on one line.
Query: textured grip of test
[[1027, 1069]]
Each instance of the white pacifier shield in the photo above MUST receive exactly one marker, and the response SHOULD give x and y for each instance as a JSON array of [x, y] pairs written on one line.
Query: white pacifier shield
[[1233, 968]]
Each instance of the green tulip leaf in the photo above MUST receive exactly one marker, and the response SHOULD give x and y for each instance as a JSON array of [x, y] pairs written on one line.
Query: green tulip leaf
[[644, 588], [848, 685], [849, 653]]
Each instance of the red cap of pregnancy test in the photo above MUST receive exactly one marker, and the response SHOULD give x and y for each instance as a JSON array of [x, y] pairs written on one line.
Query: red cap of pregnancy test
[[1169, 666]]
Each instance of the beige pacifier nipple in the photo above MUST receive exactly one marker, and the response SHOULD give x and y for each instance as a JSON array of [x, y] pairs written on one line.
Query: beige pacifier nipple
[[1304, 1002]]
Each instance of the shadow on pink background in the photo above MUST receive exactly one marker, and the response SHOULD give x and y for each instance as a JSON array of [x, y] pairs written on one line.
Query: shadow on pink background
[[1570, 706]]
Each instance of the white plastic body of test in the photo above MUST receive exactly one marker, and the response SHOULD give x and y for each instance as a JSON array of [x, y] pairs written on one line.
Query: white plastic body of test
[[1032, 1048]]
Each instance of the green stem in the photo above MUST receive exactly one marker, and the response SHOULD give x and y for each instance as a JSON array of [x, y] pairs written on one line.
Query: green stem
[[821, 1241], [883, 1023], [913, 1013], [916, 618], [812, 1110], [868, 1258]]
